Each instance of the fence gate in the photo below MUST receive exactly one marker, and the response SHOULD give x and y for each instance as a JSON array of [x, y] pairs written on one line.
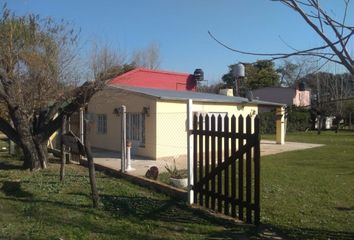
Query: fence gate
[[226, 160]]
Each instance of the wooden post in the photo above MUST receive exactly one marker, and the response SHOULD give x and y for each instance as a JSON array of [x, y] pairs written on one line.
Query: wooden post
[[91, 165], [190, 151], [62, 149], [81, 123], [68, 149], [350, 120], [124, 137], [280, 125]]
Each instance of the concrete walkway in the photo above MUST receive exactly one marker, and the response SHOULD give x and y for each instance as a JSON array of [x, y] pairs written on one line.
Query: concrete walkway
[[141, 165]]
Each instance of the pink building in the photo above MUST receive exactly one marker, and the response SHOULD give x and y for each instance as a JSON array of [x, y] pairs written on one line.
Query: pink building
[[288, 96]]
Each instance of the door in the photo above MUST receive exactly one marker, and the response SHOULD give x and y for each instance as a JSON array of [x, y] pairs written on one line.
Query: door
[[135, 130]]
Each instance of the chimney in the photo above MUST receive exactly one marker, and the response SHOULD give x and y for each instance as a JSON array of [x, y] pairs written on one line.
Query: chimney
[[227, 92]]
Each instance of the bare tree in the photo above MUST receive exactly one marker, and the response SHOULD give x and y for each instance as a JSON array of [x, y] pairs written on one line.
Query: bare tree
[[35, 55], [148, 57], [335, 33], [292, 71], [103, 60]]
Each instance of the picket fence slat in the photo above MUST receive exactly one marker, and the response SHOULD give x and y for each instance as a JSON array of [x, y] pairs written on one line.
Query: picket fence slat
[[248, 173], [201, 165], [233, 169], [240, 169], [219, 151], [213, 160]]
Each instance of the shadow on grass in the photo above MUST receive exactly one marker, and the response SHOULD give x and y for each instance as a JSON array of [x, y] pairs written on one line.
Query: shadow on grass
[[171, 211], [345, 208], [132, 211], [178, 214], [7, 166], [13, 189], [267, 232], [147, 208]]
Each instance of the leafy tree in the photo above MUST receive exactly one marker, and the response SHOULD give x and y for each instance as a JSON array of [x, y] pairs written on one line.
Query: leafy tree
[[36, 74], [259, 74]]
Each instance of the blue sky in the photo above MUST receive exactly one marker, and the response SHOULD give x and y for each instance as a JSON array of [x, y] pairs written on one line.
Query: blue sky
[[181, 27]]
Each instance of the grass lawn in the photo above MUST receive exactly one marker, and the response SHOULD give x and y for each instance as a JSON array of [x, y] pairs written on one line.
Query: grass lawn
[[37, 206], [309, 194]]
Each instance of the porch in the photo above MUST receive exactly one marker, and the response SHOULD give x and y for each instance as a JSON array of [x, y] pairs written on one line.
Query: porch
[[112, 160]]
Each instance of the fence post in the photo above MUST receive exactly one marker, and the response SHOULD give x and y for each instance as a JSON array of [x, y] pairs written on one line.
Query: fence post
[[81, 124], [124, 137], [190, 150]]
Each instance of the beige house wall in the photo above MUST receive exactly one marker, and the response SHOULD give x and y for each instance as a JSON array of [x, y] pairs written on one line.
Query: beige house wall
[[105, 102], [171, 136]]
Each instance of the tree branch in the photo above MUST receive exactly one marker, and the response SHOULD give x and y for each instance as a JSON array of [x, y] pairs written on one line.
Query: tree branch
[[277, 56], [343, 60], [9, 131], [337, 47], [82, 95]]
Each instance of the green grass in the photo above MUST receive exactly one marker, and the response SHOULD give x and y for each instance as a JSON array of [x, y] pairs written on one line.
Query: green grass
[[37, 206], [309, 194]]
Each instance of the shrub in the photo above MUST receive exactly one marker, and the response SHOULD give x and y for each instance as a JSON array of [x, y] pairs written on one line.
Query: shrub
[[298, 119], [267, 122]]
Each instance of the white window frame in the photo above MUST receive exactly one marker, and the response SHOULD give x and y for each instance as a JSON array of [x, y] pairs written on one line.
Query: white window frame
[[102, 124], [136, 127]]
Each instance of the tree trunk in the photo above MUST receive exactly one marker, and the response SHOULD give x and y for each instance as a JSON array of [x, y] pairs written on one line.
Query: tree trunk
[[91, 165], [42, 151], [34, 151], [319, 124], [30, 153]]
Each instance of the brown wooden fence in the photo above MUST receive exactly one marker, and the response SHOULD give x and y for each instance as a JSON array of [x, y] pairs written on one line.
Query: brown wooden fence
[[226, 159]]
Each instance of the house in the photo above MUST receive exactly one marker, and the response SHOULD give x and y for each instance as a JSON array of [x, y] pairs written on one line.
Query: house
[[284, 95], [157, 118], [147, 78]]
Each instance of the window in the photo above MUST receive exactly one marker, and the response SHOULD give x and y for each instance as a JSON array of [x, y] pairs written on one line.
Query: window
[[101, 123], [136, 128]]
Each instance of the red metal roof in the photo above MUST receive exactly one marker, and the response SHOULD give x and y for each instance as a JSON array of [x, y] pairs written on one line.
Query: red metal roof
[[141, 77]]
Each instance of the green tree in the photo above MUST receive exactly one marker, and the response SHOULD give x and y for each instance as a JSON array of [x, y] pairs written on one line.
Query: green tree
[[259, 74]]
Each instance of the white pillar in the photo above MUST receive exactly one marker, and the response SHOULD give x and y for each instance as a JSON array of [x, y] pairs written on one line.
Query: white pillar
[[123, 137], [190, 151], [280, 125], [129, 164]]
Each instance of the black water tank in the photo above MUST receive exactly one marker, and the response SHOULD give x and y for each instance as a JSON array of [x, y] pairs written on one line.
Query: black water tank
[[302, 86], [198, 75]]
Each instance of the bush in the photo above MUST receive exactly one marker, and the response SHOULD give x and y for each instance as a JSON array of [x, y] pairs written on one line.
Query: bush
[[298, 119], [267, 122]]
